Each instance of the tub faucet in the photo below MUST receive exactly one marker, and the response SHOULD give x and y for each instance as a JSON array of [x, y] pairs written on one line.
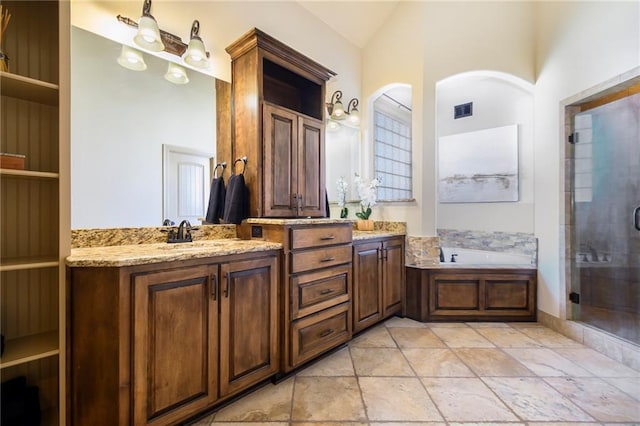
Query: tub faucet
[[453, 257], [441, 256]]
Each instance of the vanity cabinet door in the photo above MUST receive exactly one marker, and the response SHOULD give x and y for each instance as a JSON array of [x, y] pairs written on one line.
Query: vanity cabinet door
[[280, 162], [393, 276], [367, 289], [175, 352], [248, 323], [293, 164], [311, 169]]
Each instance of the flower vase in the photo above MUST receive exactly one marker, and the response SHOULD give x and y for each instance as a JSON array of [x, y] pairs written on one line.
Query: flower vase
[[364, 224]]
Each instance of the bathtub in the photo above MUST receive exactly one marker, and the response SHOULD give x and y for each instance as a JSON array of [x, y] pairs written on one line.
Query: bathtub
[[465, 256]]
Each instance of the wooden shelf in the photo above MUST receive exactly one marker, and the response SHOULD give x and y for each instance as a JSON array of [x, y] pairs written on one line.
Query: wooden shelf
[[29, 348], [28, 263], [29, 173], [28, 89]]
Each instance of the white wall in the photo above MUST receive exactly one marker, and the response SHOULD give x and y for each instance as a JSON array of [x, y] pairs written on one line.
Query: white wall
[[119, 121], [497, 101], [425, 42], [580, 44]]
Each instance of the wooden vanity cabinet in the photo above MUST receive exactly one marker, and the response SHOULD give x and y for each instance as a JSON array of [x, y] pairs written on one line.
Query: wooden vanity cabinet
[[157, 344], [379, 280], [277, 123], [316, 287]]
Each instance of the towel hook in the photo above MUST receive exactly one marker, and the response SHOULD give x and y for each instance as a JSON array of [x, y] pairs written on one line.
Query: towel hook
[[244, 164], [215, 170]]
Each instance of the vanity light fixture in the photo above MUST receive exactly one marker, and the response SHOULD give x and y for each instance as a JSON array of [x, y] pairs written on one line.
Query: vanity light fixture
[[196, 53], [131, 59], [334, 107], [148, 36], [352, 112], [152, 38], [176, 74]]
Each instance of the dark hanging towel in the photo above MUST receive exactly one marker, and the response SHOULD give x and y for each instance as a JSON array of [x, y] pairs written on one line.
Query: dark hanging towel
[[236, 203], [217, 196], [326, 204]]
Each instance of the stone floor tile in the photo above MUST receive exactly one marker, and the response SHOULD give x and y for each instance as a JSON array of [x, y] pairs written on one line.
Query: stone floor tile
[[492, 362], [547, 363], [550, 338], [328, 424], [416, 338], [263, 423], [597, 364], [630, 386], [327, 399], [436, 363], [488, 325], [397, 399], [564, 424], [377, 337], [466, 399], [447, 325], [380, 362], [508, 337], [485, 424], [532, 399], [404, 322], [456, 337], [525, 325], [407, 424], [336, 364], [269, 403], [601, 400]]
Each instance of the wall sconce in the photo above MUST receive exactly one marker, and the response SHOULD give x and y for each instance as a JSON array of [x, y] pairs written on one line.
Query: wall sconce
[[148, 36], [196, 53], [337, 112], [334, 107], [152, 38]]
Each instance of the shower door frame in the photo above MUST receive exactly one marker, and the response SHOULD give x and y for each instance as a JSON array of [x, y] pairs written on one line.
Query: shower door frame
[[568, 109]]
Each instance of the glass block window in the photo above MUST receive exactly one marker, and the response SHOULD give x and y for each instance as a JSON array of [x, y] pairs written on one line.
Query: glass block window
[[392, 157]]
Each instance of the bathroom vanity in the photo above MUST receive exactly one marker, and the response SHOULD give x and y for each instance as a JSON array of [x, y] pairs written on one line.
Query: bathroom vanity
[[160, 332]]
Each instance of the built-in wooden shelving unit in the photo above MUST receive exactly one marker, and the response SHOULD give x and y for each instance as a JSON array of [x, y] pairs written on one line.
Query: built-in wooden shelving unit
[[34, 212]]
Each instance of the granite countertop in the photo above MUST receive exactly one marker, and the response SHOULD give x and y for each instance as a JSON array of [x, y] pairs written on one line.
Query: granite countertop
[[367, 235], [475, 266], [297, 221], [140, 254]]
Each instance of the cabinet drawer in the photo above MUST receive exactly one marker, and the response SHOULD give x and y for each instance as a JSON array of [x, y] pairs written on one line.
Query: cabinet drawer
[[318, 236], [320, 332], [320, 258], [316, 291]]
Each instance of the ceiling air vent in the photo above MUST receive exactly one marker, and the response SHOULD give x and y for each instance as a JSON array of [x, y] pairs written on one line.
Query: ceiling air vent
[[463, 110]]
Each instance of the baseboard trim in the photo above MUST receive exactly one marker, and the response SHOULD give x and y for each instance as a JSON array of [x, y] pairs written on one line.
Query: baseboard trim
[[612, 346]]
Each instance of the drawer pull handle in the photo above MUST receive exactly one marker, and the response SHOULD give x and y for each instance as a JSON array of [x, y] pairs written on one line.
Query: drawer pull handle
[[326, 332], [328, 238], [327, 291], [327, 259]]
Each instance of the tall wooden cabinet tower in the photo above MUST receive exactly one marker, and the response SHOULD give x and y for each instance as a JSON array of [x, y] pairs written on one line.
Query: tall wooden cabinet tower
[[278, 124], [34, 199]]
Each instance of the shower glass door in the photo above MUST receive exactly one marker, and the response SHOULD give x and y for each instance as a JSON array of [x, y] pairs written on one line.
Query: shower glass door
[[606, 214]]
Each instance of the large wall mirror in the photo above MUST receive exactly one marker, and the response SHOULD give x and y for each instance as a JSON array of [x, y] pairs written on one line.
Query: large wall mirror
[[120, 121]]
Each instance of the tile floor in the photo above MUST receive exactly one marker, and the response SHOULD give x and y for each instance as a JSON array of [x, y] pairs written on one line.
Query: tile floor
[[405, 372]]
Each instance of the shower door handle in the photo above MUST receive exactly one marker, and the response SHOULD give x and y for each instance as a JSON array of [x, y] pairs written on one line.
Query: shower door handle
[[636, 218]]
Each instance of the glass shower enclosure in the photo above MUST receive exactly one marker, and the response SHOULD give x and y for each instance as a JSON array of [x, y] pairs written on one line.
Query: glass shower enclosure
[[605, 222]]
